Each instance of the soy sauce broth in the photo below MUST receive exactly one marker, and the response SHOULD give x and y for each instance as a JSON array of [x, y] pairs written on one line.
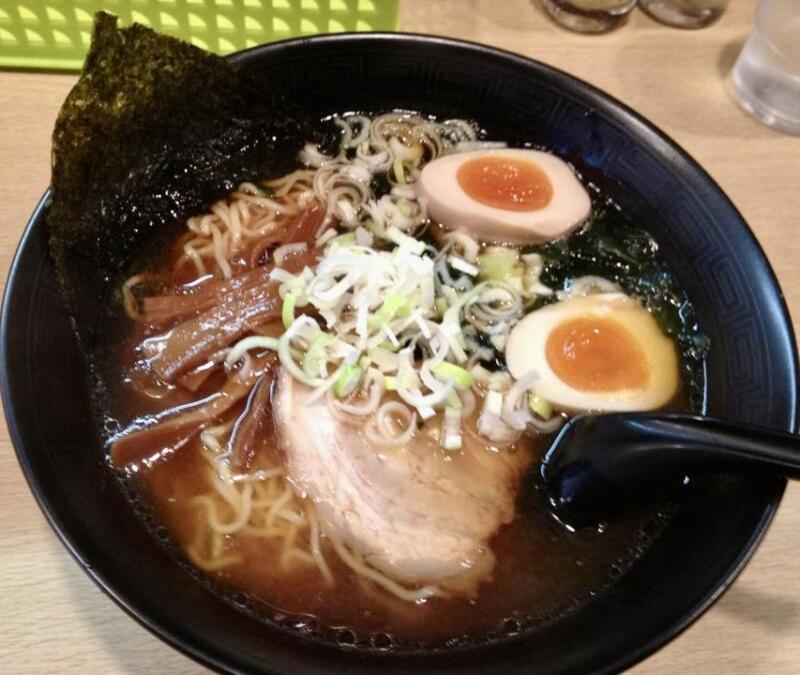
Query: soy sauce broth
[[544, 569]]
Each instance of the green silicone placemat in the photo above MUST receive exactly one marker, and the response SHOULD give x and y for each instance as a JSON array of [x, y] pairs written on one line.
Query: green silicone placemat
[[54, 34]]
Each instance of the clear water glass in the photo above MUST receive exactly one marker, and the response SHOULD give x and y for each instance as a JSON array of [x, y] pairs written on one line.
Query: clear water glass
[[684, 13], [589, 16], [766, 77]]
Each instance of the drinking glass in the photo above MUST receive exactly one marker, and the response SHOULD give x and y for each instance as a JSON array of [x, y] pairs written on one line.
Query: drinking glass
[[684, 13], [766, 77], [589, 16]]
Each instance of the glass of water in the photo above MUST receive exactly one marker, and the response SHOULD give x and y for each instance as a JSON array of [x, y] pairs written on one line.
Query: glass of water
[[589, 16], [766, 77], [684, 13]]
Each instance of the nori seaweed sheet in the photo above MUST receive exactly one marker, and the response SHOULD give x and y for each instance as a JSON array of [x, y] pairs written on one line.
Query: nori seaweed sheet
[[154, 131]]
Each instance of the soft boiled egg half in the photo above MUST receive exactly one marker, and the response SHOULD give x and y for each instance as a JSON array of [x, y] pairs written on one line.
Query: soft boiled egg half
[[505, 195], [598, 352]]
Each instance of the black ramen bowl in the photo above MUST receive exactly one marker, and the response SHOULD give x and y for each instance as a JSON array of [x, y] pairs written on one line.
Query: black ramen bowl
[[751, 373]]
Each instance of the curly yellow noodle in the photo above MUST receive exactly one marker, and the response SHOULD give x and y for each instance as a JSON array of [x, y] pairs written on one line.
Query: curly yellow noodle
[[316, 549]]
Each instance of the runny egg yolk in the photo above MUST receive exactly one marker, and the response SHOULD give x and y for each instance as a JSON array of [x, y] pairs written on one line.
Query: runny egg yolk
[[597, 354], [505, 183]]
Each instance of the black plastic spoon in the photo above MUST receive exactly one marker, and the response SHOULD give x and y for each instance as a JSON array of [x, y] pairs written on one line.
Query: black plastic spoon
[[598, 463]]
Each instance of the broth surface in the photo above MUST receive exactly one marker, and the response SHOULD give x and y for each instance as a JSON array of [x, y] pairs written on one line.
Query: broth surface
[[544, 567], [543, 570]]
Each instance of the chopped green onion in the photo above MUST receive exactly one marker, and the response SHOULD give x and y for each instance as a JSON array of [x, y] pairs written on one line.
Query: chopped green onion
[[315, 356], [451, 323], [541, 406], [404, 207], [452, 442], [453, 400], [415, 245], [462, 265], [348, 381], [452, 414], [346, 239], [481, 374], [498, 263], [399, 171], [389, 347], [461, 378], [287, 313], [494, 403], [451, 429], [384, 360], [390, 382], [253, 342], [454, 310], [373, 227], [410, 380], [394, 304], [411, 303], [426, 411]]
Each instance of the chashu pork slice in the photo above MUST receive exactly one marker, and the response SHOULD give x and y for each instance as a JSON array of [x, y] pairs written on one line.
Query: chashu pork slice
[[416, 514]]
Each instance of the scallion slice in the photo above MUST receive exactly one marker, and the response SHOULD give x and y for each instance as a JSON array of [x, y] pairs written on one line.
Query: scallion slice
[[541, 406], [348, 381], [287, 313], [460, 377]]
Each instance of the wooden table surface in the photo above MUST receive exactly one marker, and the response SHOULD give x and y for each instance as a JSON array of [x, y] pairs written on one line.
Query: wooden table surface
[[53, 619]]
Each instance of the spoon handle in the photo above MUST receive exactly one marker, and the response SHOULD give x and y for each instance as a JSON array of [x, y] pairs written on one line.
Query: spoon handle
[[597, 462], [704, 442]]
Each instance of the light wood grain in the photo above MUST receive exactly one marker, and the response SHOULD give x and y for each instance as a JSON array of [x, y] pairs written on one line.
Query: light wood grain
[[53, 619]]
